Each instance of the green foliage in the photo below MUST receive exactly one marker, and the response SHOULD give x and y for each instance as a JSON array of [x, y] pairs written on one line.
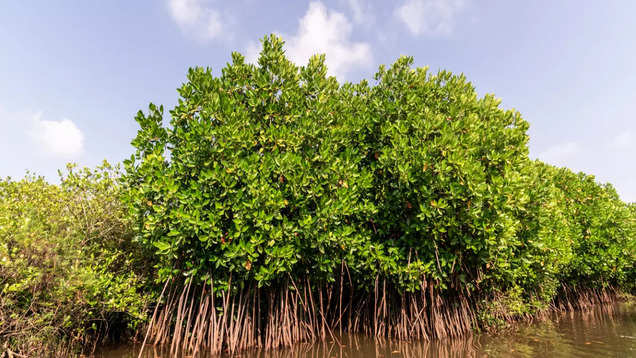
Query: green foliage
[[272, 171], [68, 268], [601, 229], [258, 175], [446, 174], [544, 244]]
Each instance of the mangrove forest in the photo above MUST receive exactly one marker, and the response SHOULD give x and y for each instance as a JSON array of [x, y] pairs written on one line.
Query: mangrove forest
[[274, 204]]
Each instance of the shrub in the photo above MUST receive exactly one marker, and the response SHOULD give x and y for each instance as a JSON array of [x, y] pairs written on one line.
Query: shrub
[[601, 231], [275, 168], [257, 176], [69, 272], [446, 173]]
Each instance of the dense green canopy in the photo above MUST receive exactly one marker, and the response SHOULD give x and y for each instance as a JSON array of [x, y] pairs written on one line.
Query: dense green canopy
[[273, 170]]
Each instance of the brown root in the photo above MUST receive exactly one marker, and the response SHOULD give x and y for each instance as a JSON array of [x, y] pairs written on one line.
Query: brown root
[[193, 320]]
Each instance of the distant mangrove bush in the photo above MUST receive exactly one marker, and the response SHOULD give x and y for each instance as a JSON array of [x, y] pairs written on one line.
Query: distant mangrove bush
[[70, 275], [283, 206]]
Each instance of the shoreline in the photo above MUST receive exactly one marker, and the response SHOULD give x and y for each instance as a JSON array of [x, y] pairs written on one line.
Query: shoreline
[[456, 345]]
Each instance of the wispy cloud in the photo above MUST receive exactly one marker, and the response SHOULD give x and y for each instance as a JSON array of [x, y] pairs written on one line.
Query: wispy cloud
[[58, 138], [430, 17], [623, 140], [322, 30], [560, 154], [361, 11], [197, 18]]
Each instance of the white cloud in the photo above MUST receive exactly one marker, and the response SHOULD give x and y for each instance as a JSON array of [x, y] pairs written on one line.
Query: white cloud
[[361, 11], [252, 50], [59, 138], [429, 17], [197, 17], [323, 31], [560, 154]]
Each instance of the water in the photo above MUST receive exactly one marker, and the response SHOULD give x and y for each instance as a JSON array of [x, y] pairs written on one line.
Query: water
[[603, 332]]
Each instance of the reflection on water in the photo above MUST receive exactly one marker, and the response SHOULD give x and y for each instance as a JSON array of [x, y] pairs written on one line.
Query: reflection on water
[[603, 332]]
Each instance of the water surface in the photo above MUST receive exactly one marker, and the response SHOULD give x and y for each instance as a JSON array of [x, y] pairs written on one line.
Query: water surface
[[608, 331]]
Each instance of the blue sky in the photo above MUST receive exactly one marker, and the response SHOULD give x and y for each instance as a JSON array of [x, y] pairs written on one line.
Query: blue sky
[[74, 73]]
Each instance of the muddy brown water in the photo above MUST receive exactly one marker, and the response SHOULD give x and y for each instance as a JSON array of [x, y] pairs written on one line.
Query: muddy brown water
[[608, 331]]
